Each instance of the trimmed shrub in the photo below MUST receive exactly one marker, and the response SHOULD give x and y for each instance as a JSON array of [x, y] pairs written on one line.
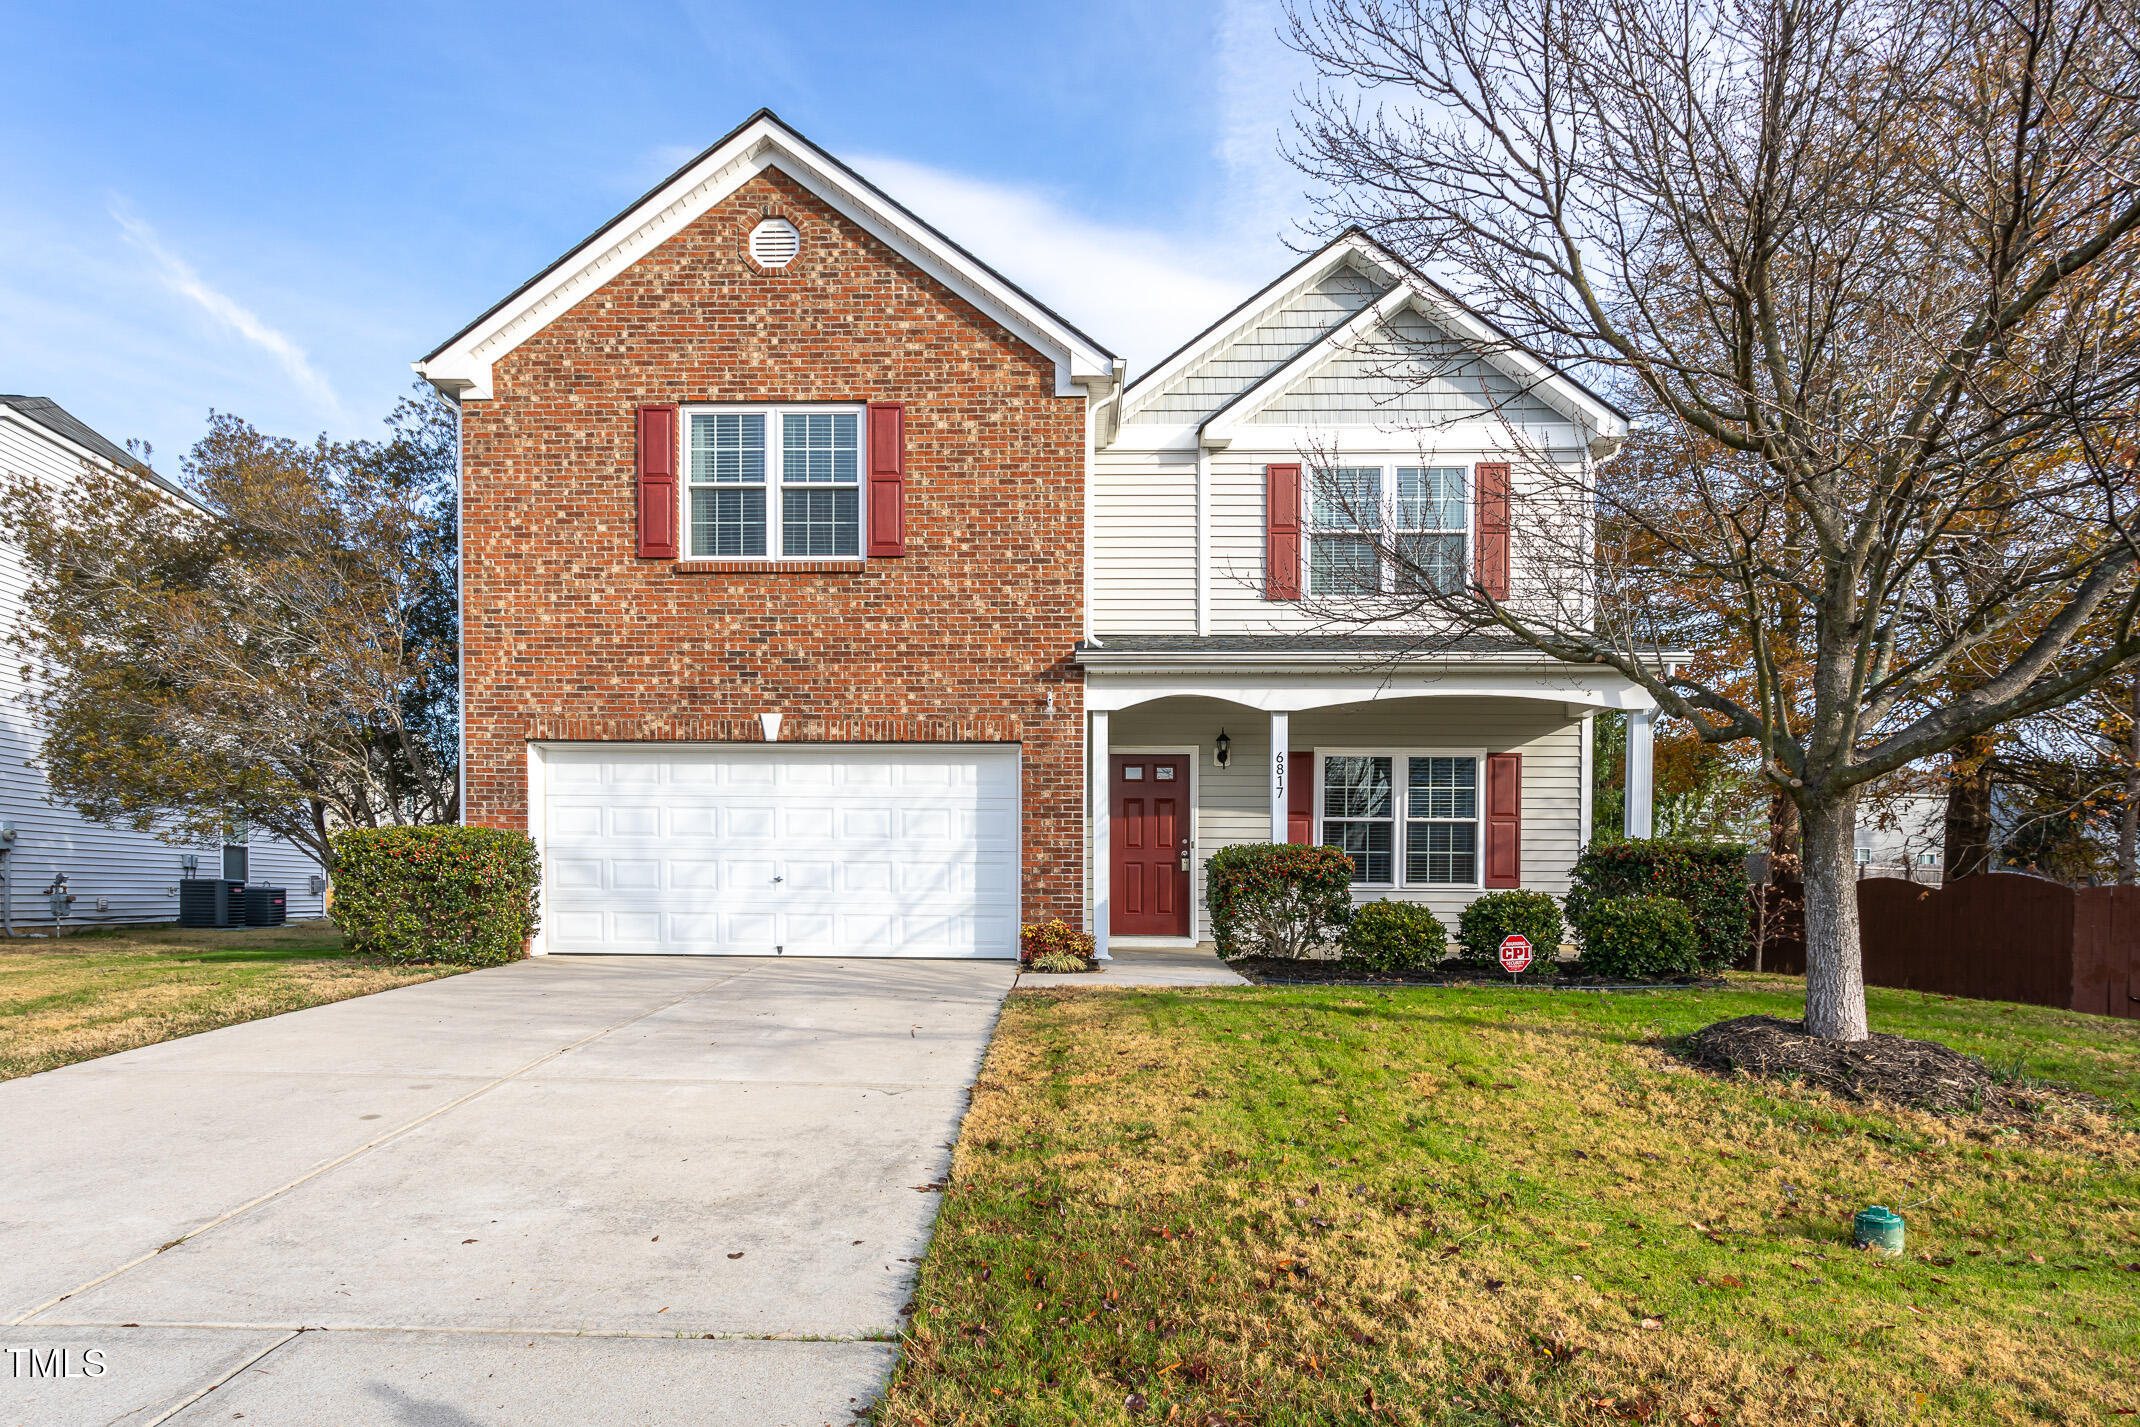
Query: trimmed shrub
[[1391, 936], [1708, 878], [1277, 899], [1638, 936], [1496, 915], [462, 895], [1053, 938]]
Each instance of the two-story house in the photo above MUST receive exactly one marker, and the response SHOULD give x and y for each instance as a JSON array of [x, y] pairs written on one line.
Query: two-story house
[[825, 593]]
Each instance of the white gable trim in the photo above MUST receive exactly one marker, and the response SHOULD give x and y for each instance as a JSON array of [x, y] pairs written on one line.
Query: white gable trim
[[463, 366], [1599, 422]]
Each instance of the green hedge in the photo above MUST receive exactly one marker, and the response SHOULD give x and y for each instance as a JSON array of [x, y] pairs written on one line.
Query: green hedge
[[1638, 936], [1492, 917], [1391, 936], [463, 895], [1708, 878], [1277, 899]]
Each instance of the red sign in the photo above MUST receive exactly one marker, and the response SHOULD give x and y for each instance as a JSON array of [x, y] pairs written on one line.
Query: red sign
[[1515, 952]]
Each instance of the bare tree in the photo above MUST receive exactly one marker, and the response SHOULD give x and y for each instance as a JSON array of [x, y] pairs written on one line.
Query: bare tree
[[1866, 269]]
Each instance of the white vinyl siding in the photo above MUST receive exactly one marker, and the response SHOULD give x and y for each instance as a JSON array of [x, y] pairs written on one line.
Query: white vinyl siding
[[116, 875], [1144, 543], [1233, 803]]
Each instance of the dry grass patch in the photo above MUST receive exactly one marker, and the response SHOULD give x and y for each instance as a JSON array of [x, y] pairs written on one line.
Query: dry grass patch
[[79, 997], [1281, 1207]]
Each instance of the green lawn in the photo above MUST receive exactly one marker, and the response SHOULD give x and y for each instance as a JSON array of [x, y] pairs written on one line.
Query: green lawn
[[1307, 1207], [96, 993]]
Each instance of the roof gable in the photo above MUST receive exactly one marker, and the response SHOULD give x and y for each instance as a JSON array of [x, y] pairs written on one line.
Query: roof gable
[[1347, 373], [57, 421], [461, 366]]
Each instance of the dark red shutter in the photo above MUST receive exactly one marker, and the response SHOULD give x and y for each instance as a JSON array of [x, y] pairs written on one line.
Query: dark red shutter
[[1300, 798], [1504, 819], [1281, 532], [887, 480], [1491, 565], [657, 482]]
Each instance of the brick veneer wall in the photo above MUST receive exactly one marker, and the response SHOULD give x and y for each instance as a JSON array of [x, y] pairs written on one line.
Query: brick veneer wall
[[567, 635]]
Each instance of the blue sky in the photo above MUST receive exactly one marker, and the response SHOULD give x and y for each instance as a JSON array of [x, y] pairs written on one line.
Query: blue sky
[[273, 209]]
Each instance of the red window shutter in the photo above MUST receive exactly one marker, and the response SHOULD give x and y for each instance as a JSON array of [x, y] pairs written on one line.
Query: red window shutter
[[887, 480], [1504, 819], [1490, 566], [1300, 798], [657, 483], [1281, 532]]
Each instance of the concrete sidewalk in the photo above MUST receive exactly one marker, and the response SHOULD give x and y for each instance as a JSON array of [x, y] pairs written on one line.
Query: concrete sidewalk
[[1147, 966], [614, 1190]]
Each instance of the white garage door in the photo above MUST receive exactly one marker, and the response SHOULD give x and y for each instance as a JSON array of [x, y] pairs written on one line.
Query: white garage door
[[887, 850]]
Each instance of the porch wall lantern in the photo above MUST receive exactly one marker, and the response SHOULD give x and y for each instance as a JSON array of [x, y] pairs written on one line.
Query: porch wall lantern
[[1221, 748]]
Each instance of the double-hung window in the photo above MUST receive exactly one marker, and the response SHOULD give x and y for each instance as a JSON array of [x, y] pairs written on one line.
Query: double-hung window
[[775, 482], [1407, 819], [1422, 513]]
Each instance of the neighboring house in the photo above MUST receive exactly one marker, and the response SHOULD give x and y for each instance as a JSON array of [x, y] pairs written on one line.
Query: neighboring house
[[116, 875], [825, 593], [1906, 838]]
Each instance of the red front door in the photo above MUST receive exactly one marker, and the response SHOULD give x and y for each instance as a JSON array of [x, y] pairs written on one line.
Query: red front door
[[1149, 869]]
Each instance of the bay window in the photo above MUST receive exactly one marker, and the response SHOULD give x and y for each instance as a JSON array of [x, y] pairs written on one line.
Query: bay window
[[774, 482]]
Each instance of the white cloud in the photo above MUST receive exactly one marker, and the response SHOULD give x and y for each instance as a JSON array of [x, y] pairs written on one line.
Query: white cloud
[[1136, 291], [179, 276], [1257, 79]]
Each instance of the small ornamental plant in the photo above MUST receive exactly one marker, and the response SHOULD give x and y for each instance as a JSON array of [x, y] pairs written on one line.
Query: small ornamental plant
[[461, 895], [1390, 937], [1496, 916], [1645, 937], [1277, 899], [1056, 943]]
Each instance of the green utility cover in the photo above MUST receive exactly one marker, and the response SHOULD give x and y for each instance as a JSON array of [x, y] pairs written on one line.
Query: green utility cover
[[1879, 1229]]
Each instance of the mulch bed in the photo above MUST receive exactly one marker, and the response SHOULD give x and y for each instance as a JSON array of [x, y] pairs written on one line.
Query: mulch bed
[[1922, 1074], [1278, 971]]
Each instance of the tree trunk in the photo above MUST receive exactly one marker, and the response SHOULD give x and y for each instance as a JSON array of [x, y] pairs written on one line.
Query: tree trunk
[[2129, 832], [1835, 974], [1967, 835]]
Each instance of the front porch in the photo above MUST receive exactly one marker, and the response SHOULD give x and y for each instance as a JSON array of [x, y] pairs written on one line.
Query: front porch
[[1443, 778]]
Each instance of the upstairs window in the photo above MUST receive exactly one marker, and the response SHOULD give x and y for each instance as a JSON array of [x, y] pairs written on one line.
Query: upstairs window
[[775, 482], [1356, 512]]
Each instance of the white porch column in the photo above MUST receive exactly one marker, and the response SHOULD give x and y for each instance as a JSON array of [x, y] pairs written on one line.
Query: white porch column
[[1639, 782], [1103, 837], [1281, 745]]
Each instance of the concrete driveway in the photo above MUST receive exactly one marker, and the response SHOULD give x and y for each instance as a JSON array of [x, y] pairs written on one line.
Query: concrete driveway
[[614, 1190]]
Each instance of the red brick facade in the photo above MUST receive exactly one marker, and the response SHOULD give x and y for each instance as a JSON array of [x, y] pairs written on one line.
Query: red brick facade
[[568, 635]]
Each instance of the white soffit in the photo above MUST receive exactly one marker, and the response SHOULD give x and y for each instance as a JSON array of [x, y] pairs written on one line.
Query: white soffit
[[462, 367]]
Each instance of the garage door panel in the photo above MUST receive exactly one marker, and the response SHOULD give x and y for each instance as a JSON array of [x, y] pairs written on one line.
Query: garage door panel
[[898, 850]]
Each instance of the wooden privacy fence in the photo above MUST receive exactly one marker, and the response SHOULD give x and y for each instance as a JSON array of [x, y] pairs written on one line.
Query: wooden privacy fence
[[1996, 937]]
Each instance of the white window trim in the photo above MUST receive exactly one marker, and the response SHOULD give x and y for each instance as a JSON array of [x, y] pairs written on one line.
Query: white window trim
[[1387, 529], [1401, 807], [775, 485]]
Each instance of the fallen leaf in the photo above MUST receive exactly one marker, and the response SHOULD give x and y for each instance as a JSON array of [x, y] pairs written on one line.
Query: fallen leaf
[[1651, 1325], [468, 1241], [737, 1254]]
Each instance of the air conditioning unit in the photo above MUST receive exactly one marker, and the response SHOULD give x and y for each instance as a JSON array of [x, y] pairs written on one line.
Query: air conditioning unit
[[211, 902], [266, 906]]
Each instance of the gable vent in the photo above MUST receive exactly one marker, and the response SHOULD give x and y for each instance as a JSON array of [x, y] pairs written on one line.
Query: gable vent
[[774, 243]]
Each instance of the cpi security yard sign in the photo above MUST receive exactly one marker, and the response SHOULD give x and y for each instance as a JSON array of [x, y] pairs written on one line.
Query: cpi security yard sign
[[1515, 953]]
